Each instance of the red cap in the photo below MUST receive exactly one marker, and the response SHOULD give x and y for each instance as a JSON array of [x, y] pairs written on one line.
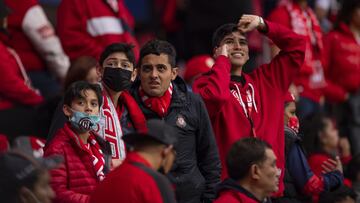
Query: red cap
[[289, 98], [197, 65]]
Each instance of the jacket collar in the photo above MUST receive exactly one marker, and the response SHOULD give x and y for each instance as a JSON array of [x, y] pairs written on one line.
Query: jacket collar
[[230, 184]]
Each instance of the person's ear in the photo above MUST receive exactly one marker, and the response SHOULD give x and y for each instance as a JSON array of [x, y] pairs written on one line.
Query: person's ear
[[174, 73], [255, 172], [134, 74], [99, 70], [67, 110]]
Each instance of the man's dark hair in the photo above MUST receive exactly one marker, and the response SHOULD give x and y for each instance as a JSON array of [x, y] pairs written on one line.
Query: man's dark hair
[[127, 49], [340, 194], [221, 32], [348, 8], [158, 47], [76, 90], [243, 154]]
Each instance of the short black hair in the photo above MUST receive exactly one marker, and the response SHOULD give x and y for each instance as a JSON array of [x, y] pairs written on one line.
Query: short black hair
[[76, 89], [310, 127], [221, 32], [243, 154], [127, 49], [347, 10], [158, 47], [337, 195]]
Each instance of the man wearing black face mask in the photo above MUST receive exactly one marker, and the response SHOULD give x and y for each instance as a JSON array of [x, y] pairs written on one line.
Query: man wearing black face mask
[[116, 68], [137, 180]]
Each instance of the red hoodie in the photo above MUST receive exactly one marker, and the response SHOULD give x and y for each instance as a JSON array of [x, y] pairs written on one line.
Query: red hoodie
[[13, 88], [267, 85], [342, 64]]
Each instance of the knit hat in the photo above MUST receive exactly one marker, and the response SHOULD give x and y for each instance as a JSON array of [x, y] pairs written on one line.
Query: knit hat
[[197, 65]]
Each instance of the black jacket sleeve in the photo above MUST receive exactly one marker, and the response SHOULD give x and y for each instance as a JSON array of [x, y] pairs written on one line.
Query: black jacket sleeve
[[207, 153]]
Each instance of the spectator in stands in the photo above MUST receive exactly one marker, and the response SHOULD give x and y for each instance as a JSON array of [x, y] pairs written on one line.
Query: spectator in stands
[[86, 27], [162, 95], [241, 105], [33, 38], [300, 182], [342, 67], [322, 142], [253, 175], [15, 89], [120, 114], [24, 179], [310, 82], [87, 155], [138, 179]]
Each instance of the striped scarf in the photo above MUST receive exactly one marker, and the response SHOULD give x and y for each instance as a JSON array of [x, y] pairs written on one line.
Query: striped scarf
[[159, 105], [97, 157]]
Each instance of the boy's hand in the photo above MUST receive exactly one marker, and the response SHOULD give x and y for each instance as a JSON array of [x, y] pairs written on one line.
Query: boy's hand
[[221, 50], [332, 165], [248, 23]]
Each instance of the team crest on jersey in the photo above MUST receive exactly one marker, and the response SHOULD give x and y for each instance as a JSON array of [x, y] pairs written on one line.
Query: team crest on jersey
[[180, 121]]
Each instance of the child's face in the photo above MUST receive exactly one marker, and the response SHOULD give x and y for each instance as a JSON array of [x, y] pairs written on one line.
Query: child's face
[[330, 135], [88, 104], [289, 112]]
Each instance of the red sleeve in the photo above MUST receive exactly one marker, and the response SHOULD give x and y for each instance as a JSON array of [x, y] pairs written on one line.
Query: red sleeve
[[281, 16], [332, 92], [71, 27], [213, 86], [315, 162], [59, 177], [13, 86], [282, 69]]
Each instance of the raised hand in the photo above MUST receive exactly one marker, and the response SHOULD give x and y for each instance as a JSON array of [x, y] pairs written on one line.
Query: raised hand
[[248, 23], [221, 50]]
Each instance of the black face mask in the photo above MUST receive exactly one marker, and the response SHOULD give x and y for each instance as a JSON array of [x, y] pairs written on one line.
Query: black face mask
[[117, 79]]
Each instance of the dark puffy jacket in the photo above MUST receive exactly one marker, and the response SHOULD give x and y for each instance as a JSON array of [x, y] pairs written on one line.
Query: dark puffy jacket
[[197, 169]]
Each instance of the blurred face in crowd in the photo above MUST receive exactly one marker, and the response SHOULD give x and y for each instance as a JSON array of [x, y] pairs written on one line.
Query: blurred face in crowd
[[41, 191], [92, 76], [238, 49], [268, 174], [88, 104], [289, 112], [156, 74], [346, 200], [329, 136]]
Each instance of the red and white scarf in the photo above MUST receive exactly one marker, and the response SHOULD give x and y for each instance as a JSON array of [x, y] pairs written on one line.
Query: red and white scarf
[[109, 127], [159, 105], [97, 156]]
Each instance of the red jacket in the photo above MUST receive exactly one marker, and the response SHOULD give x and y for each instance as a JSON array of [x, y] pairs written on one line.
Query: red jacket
[[342, 62], [34, 39], [302, 80], [133, 184], [86, 27], [232, 192], [13, 89], [267, 85], [76, 178]]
